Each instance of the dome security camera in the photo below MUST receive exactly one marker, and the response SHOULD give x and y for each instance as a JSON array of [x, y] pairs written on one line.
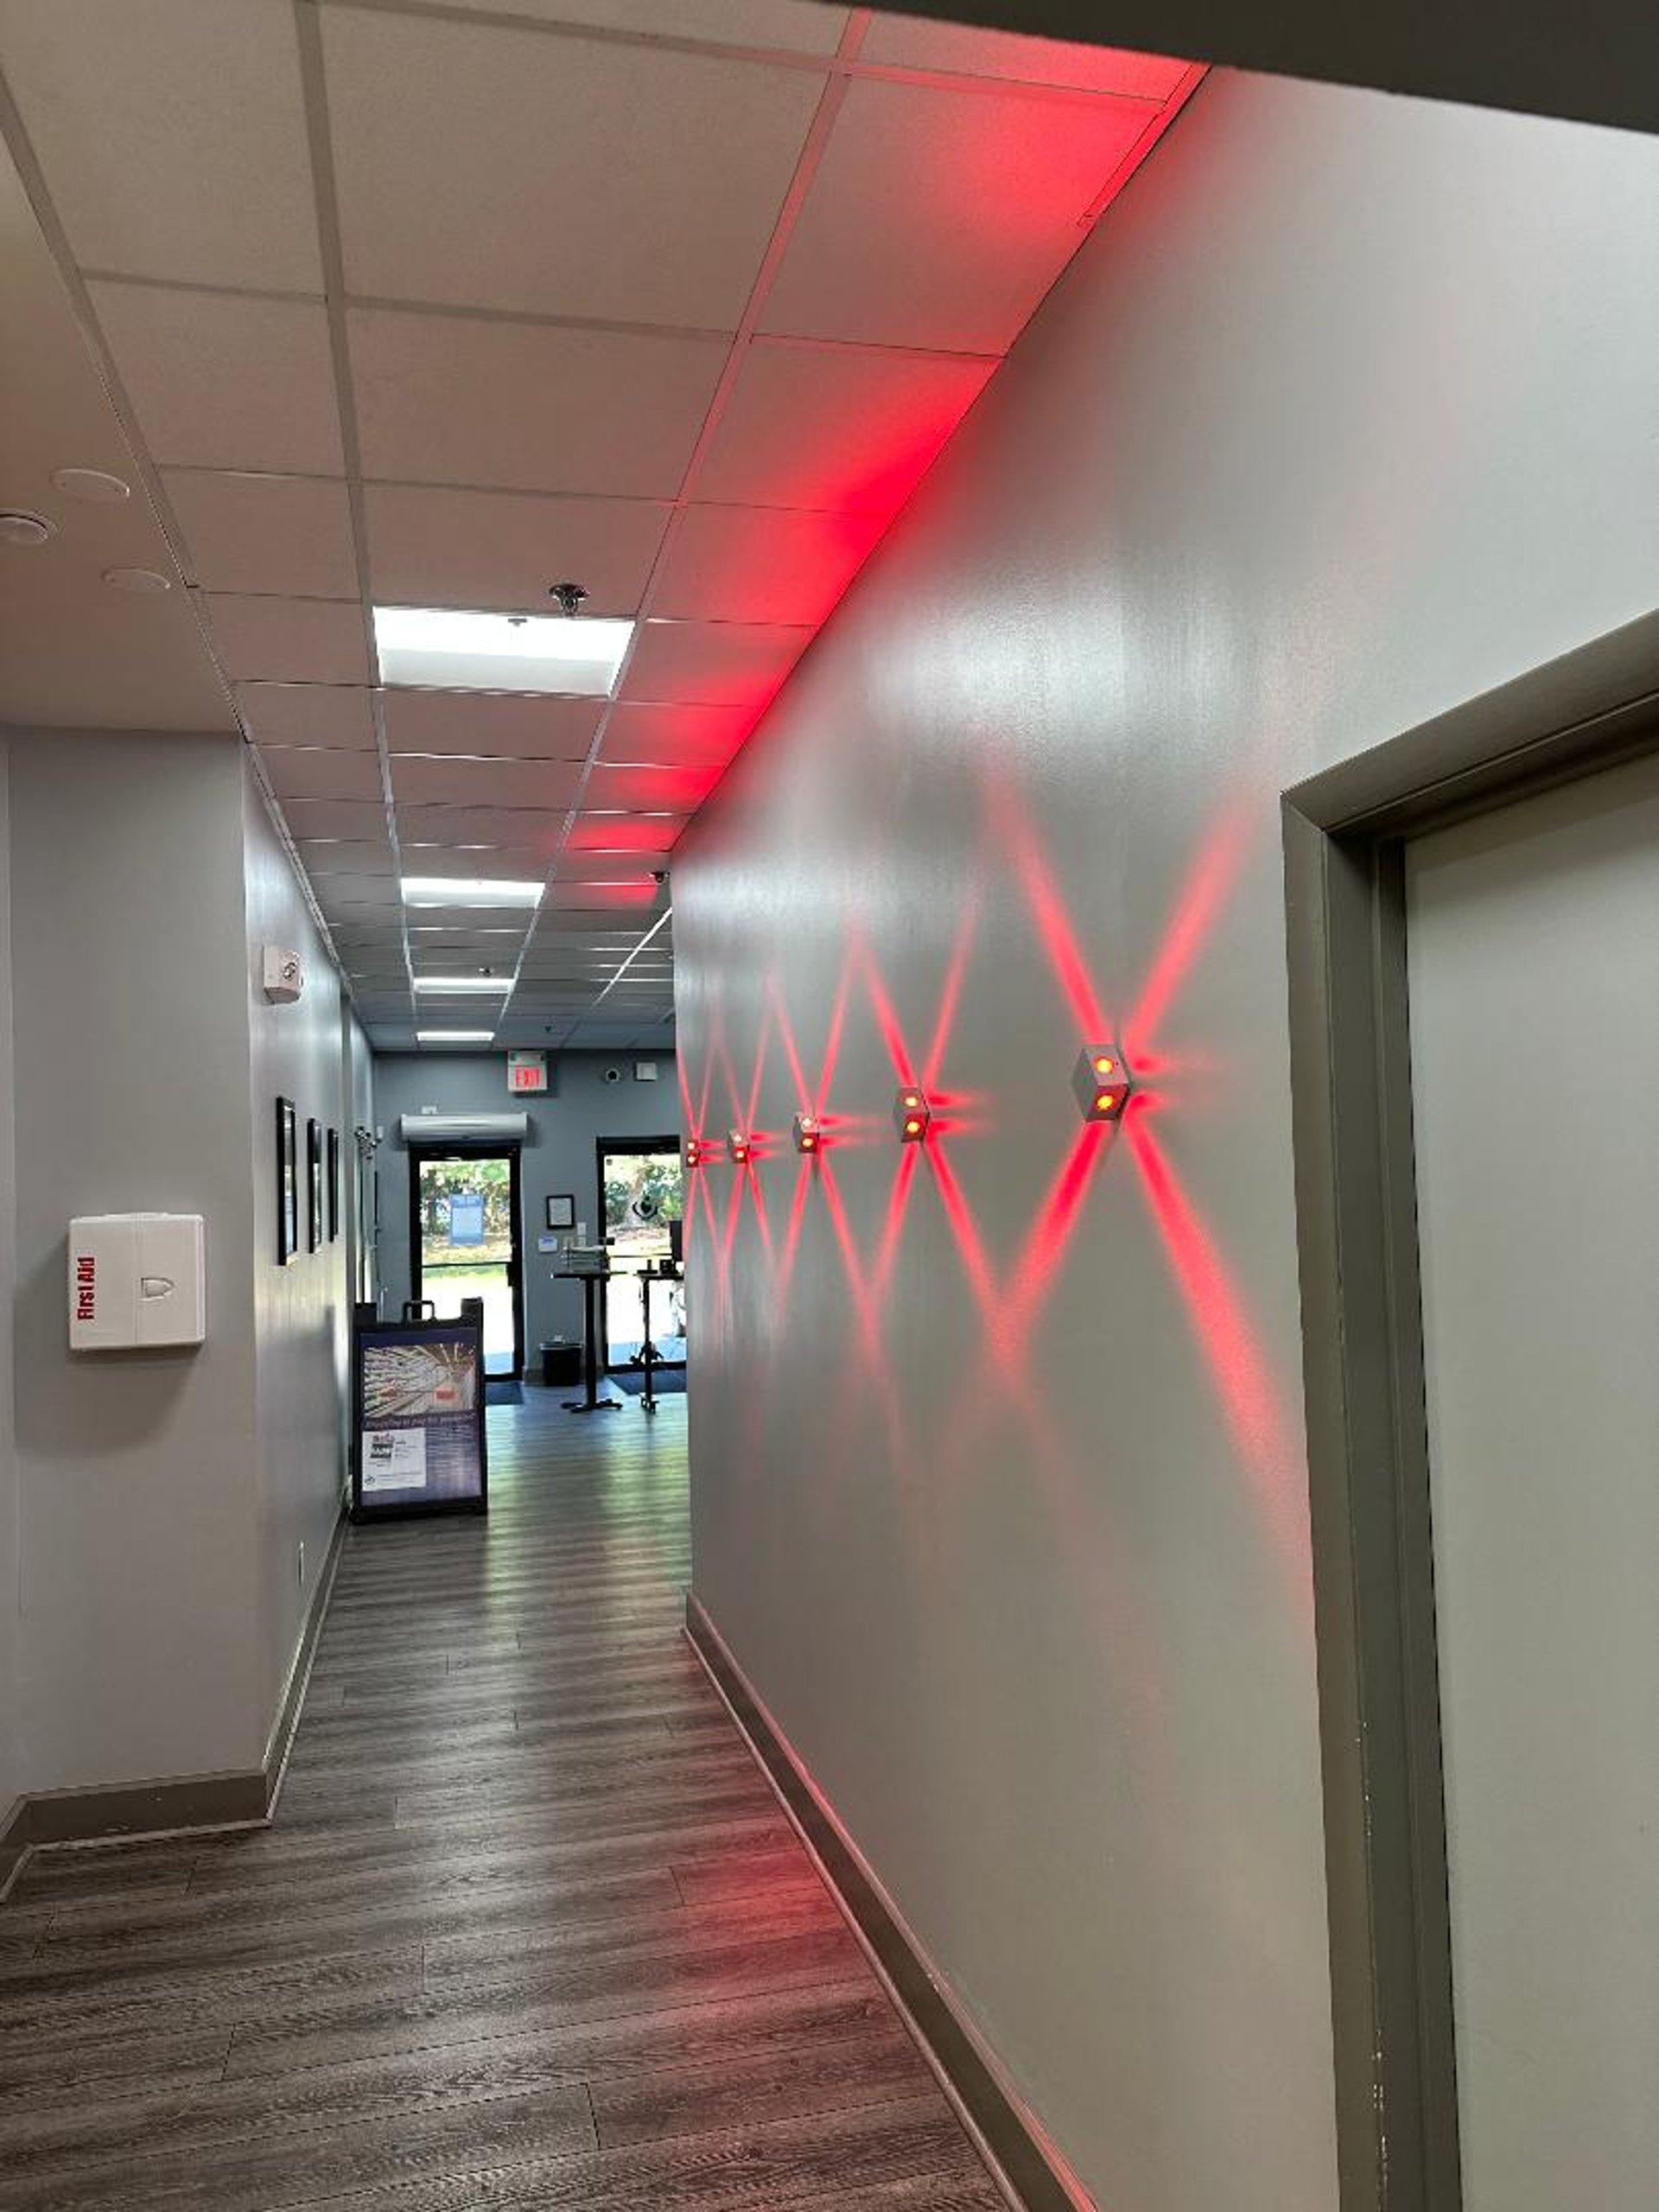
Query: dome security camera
[[613, 1075]]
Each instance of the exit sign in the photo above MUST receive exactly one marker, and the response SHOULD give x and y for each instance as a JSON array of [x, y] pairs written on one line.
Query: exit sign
[[527, 1071]]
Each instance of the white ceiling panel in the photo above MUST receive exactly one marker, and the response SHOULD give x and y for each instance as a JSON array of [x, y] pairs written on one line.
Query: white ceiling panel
[[622, 832], [433, 548], [417, 780], [459, 829], [761, 564], [608, 867], [838, 428], [266, 534], [454, 399], [222, 383], [319, 772], [288, 641], [351, 861], [1028, 169], [630, 897], [556, 176], [308, 714], [962, 49], [789, 26], [712, 664], [173, 135], [367, 890], [496, 725], [677, 790], [676, 737], [361, 821]]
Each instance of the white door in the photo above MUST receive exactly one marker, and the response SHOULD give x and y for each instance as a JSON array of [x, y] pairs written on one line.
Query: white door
[[1533, 974]]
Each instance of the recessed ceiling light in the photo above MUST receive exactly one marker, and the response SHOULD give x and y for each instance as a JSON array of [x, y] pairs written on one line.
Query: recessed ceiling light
[[483, 984], [454, 1036], [143, 580], [448, 649], [96, 486], [17, 528], [467, 891]]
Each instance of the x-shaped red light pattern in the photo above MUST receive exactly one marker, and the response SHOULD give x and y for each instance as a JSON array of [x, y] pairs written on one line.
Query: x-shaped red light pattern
[[1010, 1300]]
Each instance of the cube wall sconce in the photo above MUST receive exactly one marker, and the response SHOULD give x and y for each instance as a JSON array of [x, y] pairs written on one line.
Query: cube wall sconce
[[809, 1135], [1101, 1082], [740, 1147], [693, 1152], [910, 1115]]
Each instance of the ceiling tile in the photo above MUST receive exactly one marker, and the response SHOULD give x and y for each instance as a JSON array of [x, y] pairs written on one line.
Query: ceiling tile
[[676, 737], [357, 820], [453, 399], [288, 641], [173, 136], [650, 789], [712, 664], [840, 428], [366, 891], [962, 50], [792, 26], [435, 548], [419, 781], [308, 714], [601, 897], [351, 861], [624, 833], [316, 772], [1028, 169], [265, 533], [483, 830], [565, 176], [761, 564], [220, 382], [499, 726], [633, 868]]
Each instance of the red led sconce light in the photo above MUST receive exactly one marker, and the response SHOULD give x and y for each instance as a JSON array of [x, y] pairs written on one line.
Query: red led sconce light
[[693, 1152], [911, 1115], [1101, 1082], [740, 1148], [808, 1136]]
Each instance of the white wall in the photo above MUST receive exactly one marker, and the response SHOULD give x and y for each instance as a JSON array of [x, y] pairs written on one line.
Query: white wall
[[1347, 412], [137, 1468], [301, 1314]]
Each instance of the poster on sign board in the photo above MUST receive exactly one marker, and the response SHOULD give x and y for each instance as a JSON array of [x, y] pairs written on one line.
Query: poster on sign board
[[418, 1399]]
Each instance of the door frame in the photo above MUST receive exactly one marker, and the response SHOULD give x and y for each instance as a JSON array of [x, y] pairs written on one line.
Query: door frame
[[486, 1148], [662, 1142], [1345, 833]]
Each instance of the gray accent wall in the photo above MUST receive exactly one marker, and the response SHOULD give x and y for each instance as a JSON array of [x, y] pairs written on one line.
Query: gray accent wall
[[578, 1107], [1346, 413]]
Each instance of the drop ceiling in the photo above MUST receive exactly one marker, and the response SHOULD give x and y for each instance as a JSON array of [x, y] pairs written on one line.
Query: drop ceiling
[[438, 306]]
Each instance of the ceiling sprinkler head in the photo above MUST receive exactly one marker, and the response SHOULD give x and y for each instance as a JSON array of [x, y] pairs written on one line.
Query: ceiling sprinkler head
[[567, 597]]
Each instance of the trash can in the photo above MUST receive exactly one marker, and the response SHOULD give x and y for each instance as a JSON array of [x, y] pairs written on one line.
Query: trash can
[[561, 1364]]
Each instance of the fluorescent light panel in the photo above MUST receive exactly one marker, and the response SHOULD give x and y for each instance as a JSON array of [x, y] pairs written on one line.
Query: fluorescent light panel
[[468, 891], [484, 985], [454, 1036], [449, 649]]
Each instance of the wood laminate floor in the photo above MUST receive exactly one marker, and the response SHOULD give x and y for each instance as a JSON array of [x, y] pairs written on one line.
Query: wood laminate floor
[[529, 1929]]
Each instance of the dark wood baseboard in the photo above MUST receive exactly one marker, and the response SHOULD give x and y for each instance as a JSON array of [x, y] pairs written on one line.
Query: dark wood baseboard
[[117, 1815], [1006, 2136]]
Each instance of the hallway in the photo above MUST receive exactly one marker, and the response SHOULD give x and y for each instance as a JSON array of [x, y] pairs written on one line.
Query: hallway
[[529, 1929]]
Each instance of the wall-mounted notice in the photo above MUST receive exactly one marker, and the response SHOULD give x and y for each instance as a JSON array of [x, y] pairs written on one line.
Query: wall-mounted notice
[[527, 1071], [418, 1396]]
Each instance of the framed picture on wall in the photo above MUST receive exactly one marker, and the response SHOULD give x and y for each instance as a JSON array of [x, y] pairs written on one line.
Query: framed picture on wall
[[561, 1210], [288, 1183], [313, 1184], [333, 1184]]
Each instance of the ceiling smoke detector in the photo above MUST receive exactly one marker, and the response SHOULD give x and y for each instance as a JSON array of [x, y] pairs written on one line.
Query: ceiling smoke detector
[[21, 529]]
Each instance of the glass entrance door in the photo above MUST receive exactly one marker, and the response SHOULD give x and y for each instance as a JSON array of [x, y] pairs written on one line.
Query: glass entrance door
[[464, 1243], [641, 1190]]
